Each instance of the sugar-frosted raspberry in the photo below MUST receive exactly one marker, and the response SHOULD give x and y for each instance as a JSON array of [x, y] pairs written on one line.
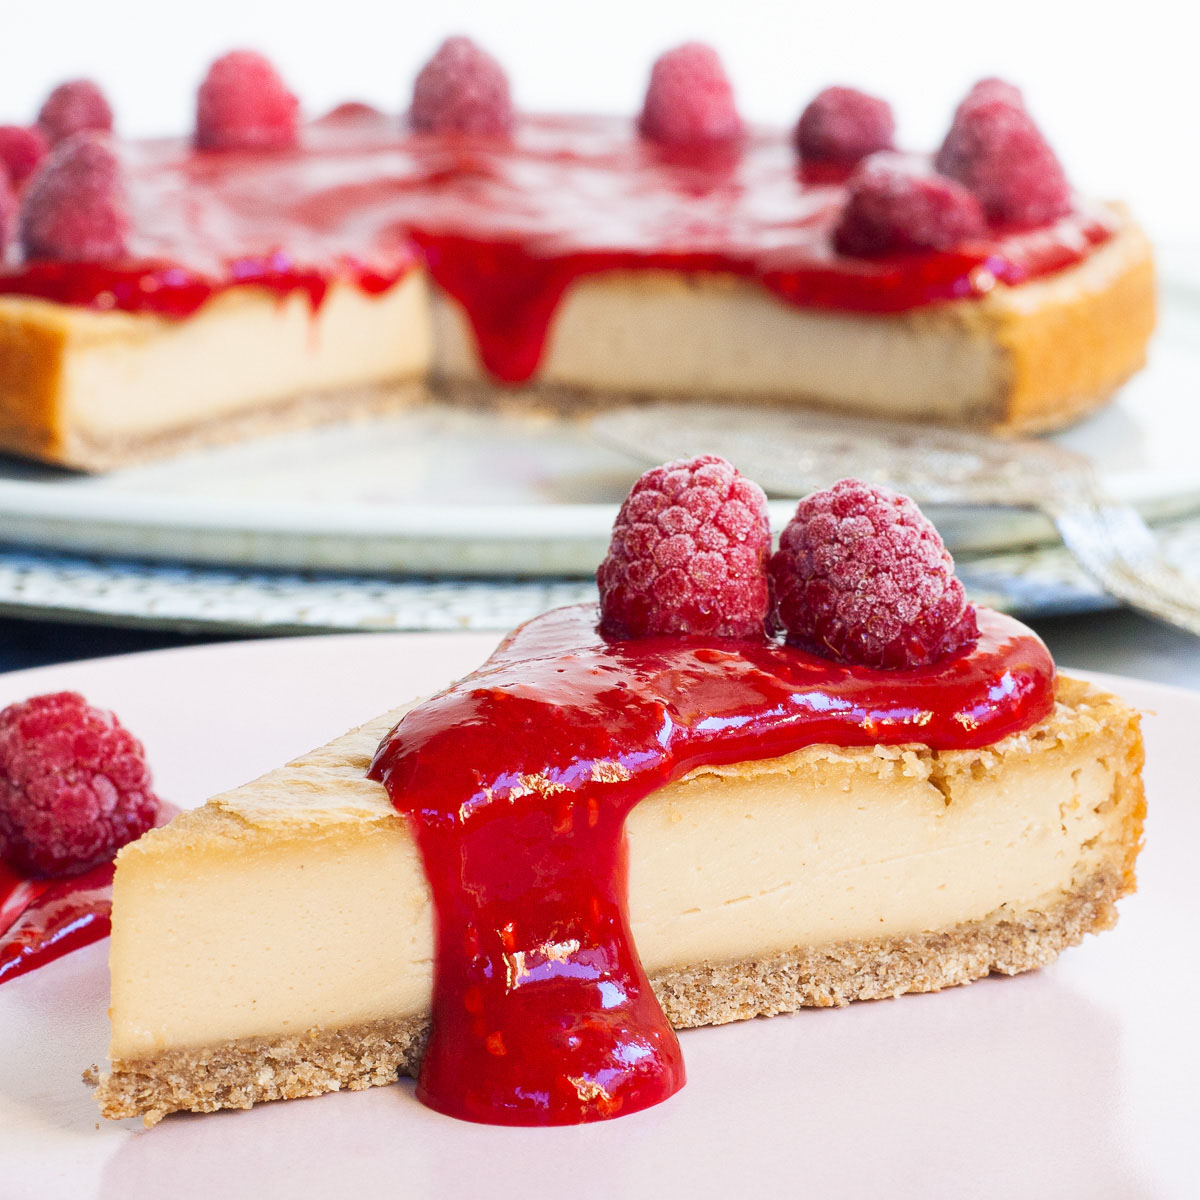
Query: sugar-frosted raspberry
[[861, 576], [689, 99], [688, 554], [995, 149], [21, 149], [72, 106], [75, 208], [74, 785], [843, 125], [462, 89], [893, 203], [990, 91], [243, 104]]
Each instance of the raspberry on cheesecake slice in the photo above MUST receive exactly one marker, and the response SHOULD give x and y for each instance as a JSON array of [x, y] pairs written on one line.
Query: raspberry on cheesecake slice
[[270, 270], [695, 804]]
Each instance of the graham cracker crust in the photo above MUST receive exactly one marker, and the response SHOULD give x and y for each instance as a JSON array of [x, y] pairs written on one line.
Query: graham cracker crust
[[239, 1074]]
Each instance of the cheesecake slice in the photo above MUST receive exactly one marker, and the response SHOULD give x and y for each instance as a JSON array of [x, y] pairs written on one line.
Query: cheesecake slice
[[278, 942]]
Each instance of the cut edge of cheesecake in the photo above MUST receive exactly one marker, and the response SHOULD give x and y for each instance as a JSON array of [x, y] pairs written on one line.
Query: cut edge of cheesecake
[[1087, 727], [1029, 358], [93, 390]]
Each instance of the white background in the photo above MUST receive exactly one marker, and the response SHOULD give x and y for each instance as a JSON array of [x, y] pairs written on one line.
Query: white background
[[1115, 85]]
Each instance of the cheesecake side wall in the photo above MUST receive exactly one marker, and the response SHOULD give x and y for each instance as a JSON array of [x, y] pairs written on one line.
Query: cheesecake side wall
[[876, 825], [89, 389], [622, 335]]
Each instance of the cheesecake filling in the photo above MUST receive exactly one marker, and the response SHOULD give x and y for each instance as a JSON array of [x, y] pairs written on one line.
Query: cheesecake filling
[[510, 229], [517, 780]]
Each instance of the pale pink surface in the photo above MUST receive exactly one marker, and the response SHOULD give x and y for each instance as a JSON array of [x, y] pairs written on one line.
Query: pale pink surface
[[1078, 1081]]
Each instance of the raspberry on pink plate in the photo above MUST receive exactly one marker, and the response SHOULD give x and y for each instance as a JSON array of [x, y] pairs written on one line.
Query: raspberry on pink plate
[[995, 149], [74, 785], [462, 89], [72, 106], [21, 149], [689, 99], [843, 125], [75, 208], [688, 554], [894, 203], [244, 104], [861, 576]]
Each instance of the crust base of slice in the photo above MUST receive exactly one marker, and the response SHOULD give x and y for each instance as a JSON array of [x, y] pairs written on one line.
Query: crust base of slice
[[242, 1073]]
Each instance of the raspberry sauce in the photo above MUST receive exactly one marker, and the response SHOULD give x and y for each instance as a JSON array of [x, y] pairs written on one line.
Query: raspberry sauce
[[505, 226], [517, 780], [42, 919]]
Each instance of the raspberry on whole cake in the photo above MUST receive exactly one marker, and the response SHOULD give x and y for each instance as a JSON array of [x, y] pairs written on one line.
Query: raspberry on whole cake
[[74, 106], [689, 99], [896, 204], [462, 89], [76, 208], [843, 125], [244, 104]]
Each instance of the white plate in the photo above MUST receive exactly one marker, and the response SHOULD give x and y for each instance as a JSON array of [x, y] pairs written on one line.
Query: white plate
[[443, 490], [1076, 1081]]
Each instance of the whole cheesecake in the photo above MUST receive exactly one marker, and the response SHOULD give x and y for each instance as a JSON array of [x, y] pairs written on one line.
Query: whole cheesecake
[[609, 830], [362, 262]]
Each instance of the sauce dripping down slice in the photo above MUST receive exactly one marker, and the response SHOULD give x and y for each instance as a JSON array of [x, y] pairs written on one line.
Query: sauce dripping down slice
[[517, 780]]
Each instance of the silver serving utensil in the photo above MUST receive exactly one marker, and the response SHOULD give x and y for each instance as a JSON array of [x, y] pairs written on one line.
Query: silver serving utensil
[[790, 452]]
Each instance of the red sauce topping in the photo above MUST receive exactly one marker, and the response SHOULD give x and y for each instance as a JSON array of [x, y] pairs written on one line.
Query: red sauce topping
[[506, 227], [43, 919], [517, 781]]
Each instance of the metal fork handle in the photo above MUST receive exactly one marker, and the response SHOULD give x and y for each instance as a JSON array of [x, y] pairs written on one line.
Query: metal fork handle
[[1122, 553]]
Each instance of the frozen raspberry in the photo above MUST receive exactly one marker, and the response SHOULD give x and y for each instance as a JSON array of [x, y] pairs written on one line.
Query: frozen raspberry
[[689, 99], [990, 91], [995, 149], [243, 104], [893, 204], [843, 125], [75, 208], [861, 576], [462, 89], [21, 149], [72, 106], [74, 785], [688, 554]]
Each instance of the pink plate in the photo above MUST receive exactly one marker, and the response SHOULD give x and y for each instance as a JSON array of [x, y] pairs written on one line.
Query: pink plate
[[1076, 1081]]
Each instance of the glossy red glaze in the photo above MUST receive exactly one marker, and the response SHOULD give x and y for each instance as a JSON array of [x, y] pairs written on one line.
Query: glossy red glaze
[[506, 226], [517, 781], [43, 919]]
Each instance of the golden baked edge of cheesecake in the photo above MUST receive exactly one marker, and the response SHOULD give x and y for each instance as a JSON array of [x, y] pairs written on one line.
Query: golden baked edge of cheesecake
[[1091, 746]]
